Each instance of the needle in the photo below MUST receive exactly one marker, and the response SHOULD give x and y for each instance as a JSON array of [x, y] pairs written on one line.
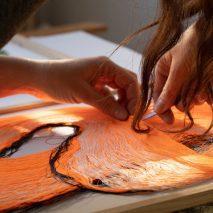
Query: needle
[[145, 117]]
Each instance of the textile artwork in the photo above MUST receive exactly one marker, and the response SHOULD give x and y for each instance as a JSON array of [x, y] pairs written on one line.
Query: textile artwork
[[99, 153]]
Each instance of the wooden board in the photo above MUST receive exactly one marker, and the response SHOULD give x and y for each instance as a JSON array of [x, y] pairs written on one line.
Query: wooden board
[[91, 27], [161, 202], [29, 106], [38, 48]]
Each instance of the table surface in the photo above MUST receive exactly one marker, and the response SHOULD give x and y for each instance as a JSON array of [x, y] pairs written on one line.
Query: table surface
[[161, 201], [84, 45], [88, 201]]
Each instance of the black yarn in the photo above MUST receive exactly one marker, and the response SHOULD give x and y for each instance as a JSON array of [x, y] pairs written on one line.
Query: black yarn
[[55, 155], [14, 147]]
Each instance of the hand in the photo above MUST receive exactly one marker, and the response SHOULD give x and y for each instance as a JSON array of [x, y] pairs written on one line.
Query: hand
[[85, 80], [172, 70]]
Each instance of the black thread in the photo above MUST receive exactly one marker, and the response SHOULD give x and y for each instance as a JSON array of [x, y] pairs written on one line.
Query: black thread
[[14, 147]]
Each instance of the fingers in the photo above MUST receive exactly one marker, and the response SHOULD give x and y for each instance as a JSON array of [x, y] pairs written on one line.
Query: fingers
[[209, 100], [167, 116], [161, 91], [161, 75], [167, 89], [127, 82], [170, 90], [122, 80], [104, 102], [199, 99]]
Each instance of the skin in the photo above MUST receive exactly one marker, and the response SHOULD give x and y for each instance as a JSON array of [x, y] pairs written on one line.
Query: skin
[[72, 81], [172, 70], [88, 80]]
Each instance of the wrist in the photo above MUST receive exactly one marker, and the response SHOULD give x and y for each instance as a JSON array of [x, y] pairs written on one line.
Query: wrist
[[18, 76], [35, 78]]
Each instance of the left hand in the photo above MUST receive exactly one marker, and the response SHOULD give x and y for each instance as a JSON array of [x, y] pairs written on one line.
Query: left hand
[[85, 80]]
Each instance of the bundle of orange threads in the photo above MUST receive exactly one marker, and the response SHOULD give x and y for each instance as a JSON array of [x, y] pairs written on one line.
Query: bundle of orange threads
[[103, 154]]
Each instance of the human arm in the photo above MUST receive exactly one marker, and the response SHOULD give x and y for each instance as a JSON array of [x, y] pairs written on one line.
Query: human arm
[[72, 81]]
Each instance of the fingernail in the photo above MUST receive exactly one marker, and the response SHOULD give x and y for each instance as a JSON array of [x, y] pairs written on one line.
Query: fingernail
[[159, 106], [200, 99], [180, 106], [121, 114]]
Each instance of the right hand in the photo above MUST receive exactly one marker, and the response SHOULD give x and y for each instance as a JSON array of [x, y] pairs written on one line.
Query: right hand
[[172, 70]]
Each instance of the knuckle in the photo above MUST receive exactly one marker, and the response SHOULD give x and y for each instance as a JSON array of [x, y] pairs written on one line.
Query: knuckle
[[104, 64], [134, 75], [162, 66], [106, 103], [103, 59], [131, 78]]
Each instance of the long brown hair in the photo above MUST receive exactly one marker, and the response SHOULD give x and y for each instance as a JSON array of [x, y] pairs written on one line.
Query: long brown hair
[[170, 28]]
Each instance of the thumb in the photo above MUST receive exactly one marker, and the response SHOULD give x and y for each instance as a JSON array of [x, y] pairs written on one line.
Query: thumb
[[169, 94], [105, 103], [170, 91], [163, 105], [166, 100]]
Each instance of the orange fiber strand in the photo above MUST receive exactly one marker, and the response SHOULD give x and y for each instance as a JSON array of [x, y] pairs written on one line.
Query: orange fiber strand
[[27, 181], [195, 138], [113, 158], [107, 156]]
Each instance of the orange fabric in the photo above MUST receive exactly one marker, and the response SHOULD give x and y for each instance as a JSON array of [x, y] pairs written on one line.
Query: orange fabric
[[106, 156], [28, 180], [120, 160]]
